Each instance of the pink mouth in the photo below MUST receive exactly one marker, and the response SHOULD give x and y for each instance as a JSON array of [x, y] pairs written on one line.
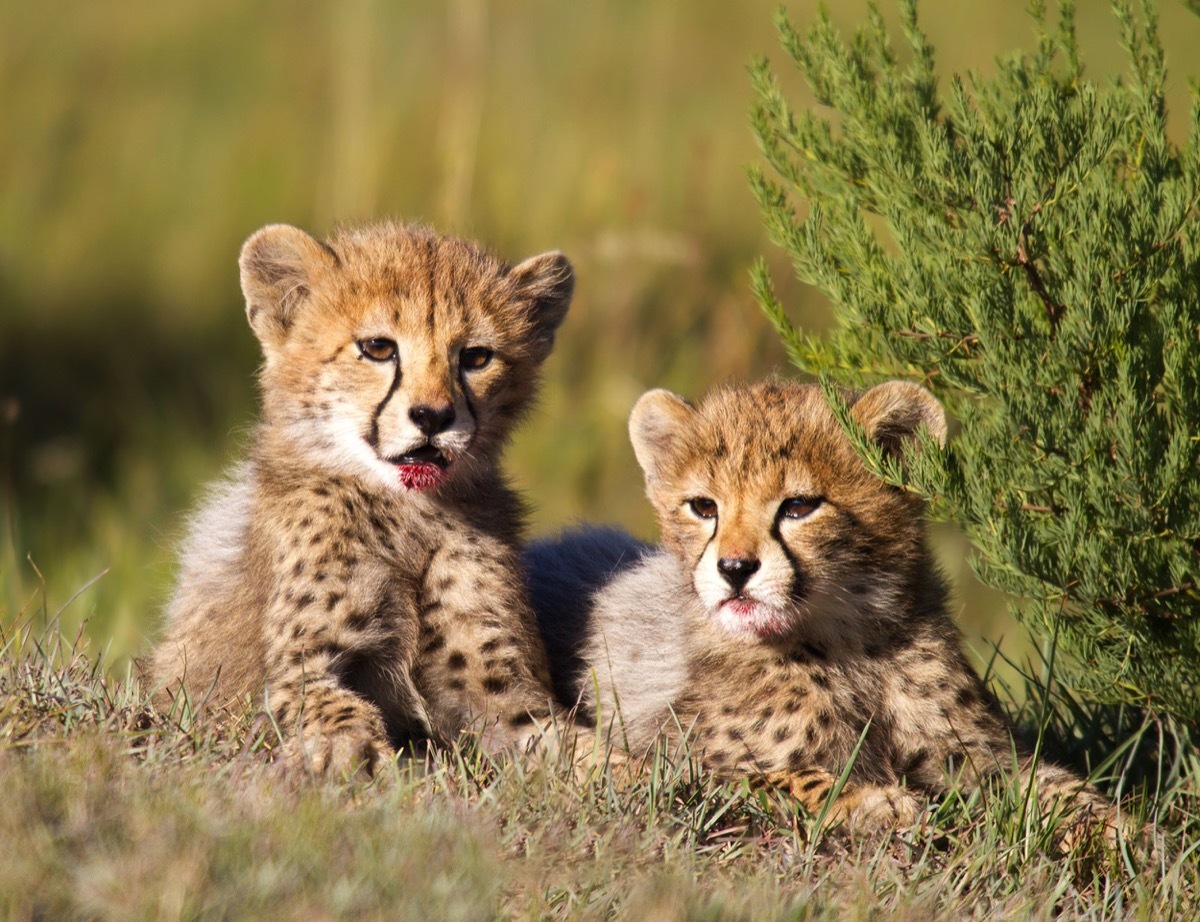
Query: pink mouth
[[743, 615], [421, 468], [743, 607], [420, 476]]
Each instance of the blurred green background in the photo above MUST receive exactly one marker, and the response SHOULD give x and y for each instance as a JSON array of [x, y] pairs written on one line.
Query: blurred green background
[[140, 143]]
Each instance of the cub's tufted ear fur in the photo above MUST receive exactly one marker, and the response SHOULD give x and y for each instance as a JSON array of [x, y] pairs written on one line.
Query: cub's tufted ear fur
[[546, 283], [279, 265], [893, 411], [656, 426]]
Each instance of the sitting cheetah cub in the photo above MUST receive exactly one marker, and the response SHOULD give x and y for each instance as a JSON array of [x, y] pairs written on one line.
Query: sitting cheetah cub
[[359, 569], [792, 611]]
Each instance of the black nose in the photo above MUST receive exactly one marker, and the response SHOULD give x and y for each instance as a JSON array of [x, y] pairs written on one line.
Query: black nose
[[737, 570], [431, 420]]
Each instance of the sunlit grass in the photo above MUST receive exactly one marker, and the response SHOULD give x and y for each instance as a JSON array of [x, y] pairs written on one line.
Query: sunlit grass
[[121, 812]]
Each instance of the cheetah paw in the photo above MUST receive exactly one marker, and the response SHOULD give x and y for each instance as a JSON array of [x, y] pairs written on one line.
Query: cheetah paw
[[344, 752], [872, 809]]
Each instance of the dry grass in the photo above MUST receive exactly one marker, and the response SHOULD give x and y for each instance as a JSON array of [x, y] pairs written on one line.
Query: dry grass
[[114, 811]]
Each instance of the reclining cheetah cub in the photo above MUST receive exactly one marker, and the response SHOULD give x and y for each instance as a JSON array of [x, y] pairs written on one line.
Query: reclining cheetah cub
[[360, 567], [792, 610]]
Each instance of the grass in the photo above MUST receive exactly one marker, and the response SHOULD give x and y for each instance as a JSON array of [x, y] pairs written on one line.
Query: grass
[[115, 811]]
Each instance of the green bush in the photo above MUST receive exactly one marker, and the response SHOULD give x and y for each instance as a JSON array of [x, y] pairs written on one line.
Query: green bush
[[1026, 246]]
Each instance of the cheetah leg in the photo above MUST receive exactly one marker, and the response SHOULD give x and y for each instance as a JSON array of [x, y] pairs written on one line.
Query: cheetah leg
[[1087, 815], [336, 731], [481, 666], [1089, 818], [863, 808]]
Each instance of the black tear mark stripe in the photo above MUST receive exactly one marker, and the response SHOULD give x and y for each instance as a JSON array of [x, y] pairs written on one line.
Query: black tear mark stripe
[[373, 435], [711, 539], [798, 580], [466, 392]]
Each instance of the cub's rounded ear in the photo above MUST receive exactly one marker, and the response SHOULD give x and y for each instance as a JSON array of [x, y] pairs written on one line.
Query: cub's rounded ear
[[279, 265], [656, 426], [892, 412], [546, 283]]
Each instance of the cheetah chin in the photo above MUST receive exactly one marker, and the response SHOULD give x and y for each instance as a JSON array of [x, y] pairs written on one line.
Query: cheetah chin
[[740, 615]]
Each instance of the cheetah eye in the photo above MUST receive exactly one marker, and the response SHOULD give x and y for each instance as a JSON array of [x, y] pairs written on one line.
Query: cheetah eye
[[800, 507], [702, 506], [475, 357], [377, 349]]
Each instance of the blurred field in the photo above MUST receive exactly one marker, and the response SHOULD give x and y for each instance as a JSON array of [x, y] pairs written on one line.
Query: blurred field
[[142, 142]]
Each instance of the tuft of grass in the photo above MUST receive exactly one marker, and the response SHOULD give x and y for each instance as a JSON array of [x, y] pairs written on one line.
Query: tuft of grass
[[117, 811]]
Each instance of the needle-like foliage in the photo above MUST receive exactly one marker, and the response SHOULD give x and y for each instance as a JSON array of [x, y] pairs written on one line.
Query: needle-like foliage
[[1025, 245]]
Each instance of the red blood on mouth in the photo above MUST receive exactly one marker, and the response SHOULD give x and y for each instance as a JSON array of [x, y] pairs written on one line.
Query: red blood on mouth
[[420, 476]]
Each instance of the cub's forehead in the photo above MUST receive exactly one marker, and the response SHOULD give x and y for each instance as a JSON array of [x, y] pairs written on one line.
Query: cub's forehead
[[412, 275], [774, 433]]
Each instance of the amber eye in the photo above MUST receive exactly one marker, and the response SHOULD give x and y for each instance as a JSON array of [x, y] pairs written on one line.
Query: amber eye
[[800, 507], [703, 507], [377, 349], [475, 357]]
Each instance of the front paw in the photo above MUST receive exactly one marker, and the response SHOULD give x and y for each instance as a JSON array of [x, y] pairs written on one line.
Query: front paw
[[871, 809], [340, 748]]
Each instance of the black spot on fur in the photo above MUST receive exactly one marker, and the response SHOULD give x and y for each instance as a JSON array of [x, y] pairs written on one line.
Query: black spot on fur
[[812, 784], [456, 661], [914, 762], [495, 684]]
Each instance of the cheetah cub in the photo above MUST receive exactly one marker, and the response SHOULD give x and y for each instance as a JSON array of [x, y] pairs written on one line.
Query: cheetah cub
[[791, 612], [359, 570]]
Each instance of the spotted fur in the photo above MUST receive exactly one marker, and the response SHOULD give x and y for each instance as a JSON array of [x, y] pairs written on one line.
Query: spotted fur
[[791, 616], [358, 573]]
